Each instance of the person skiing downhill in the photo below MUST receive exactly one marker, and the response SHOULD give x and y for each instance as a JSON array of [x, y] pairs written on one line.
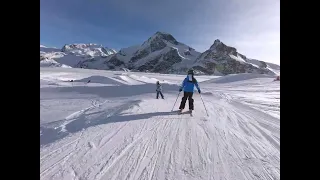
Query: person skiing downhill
[[159, 90], [188, 87]]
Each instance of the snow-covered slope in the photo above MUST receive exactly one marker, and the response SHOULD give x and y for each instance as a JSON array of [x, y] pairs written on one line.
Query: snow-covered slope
[[52, 63], [48, 56], [222, 60], [44, 49], [89, 50], [272, 67], [114, 128], [77, 55]]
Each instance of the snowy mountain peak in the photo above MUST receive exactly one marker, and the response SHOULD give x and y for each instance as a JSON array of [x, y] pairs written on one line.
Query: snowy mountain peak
[[217, 41], [90, 49], [220, 47], [161, 38], [67, 47], [222, 59], [162, 35]]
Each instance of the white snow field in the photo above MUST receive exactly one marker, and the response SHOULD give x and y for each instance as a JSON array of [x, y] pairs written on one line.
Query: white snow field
[[113, 128]]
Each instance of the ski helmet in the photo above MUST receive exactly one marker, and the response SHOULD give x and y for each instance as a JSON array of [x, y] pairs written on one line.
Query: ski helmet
[[191, 72]]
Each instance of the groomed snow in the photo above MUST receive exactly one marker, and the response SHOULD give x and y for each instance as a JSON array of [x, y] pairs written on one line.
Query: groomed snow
[[114, 128]]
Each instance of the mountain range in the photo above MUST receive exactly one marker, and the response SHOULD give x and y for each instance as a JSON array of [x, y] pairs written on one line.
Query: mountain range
[[161, 53]]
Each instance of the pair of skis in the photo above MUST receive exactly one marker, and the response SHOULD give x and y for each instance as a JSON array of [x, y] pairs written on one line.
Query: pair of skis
[[188, 112]]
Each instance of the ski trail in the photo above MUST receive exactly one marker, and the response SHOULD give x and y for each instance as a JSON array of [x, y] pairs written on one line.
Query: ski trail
[[60, 148], [144, 140], [128, 147], [63, 159], [74, 150], [157, 152], [170, 157]]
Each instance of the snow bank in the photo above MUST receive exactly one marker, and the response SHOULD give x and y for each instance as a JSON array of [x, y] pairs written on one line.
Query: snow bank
[[128, 80], [100, 80], [150, 80], [144, 79], [237, 77]]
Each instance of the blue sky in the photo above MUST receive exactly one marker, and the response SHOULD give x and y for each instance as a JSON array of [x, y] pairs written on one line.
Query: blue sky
[[251, 26]]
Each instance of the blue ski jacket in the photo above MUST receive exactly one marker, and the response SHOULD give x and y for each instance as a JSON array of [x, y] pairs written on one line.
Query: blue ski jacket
[[188, 86]]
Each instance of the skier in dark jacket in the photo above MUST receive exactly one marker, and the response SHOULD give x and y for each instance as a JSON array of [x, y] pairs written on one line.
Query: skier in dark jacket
[[159, 90], [188, 87]]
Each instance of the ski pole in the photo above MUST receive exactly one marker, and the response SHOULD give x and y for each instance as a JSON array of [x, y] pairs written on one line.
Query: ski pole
[[204, 106], [176, 101]]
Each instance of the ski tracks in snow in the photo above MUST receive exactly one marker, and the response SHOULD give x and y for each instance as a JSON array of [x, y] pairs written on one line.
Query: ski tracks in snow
[[234, 143]]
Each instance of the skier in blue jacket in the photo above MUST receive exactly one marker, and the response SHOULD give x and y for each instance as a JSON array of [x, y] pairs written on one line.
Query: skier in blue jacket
[[188, 87]]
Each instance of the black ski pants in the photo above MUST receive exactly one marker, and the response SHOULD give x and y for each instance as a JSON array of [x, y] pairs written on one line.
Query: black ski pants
[[159, 92], [187, 95]]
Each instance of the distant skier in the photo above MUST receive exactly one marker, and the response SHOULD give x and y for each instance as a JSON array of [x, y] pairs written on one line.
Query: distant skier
[[188, 87], [159, 90]]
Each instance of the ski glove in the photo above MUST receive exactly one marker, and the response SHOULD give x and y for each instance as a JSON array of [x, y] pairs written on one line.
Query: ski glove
[[180, 89], [199, 91]]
